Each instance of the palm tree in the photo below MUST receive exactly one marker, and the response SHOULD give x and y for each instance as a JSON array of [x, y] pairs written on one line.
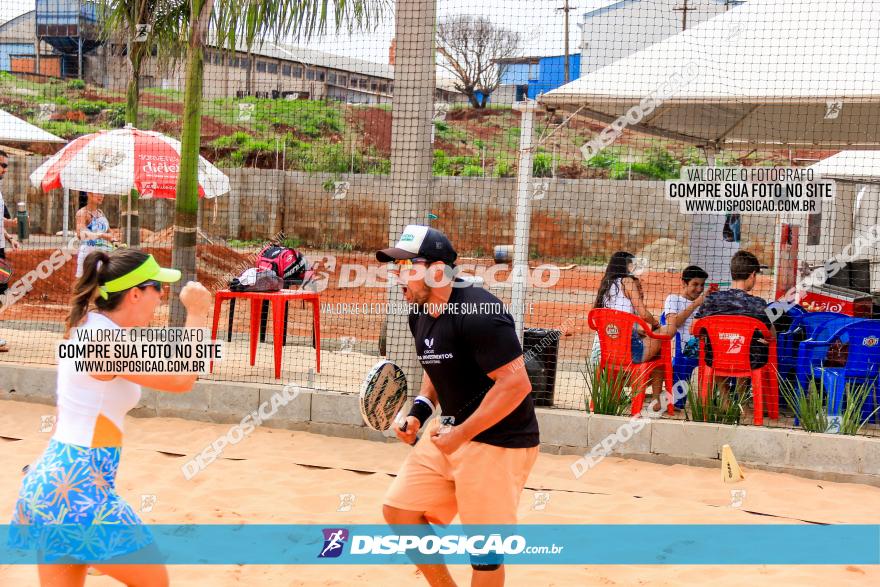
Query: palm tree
[[233, 23], [121, 19]]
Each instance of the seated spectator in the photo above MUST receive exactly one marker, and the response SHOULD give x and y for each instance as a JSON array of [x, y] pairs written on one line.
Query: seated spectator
[[680, 307], [737, 301], [621, 290], [93, 230]]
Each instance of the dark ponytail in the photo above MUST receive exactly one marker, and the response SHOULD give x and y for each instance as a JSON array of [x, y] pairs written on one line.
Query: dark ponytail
[[99, 268], [618, 267]]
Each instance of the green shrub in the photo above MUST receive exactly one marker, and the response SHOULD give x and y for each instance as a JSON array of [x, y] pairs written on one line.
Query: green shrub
[[68, 129], [503, 168], [604, 159], [291, 242], [116, 116], [89, 107], [609, 390], [472, 171], [236, 139], [542, 165], [716, 408], [810, 406], [76, 84]]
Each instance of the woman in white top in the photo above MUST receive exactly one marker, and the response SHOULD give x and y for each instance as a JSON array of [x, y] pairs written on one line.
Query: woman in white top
[[621, 290], [92, 230], [73, 482]]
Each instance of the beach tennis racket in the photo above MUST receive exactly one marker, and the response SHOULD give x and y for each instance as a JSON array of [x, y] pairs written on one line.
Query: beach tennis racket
[[383, 396], [5, 271]]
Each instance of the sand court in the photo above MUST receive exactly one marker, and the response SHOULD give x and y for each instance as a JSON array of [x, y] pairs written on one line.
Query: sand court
[[284, 477]]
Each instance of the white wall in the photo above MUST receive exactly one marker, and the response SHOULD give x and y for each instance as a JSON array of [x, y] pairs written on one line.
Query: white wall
[[634, 25]]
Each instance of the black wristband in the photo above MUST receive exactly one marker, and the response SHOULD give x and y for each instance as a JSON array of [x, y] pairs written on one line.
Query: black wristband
[[421, 410]]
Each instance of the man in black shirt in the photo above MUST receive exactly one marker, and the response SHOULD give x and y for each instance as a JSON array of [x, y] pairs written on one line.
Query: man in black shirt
[[737, 301], [477, 462]]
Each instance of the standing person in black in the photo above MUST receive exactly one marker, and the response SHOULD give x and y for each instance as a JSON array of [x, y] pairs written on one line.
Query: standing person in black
[[477, 463], [8, 222]]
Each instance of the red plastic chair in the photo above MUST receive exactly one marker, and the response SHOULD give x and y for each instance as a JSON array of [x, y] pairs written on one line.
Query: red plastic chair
[[615, 343], [731, 340]]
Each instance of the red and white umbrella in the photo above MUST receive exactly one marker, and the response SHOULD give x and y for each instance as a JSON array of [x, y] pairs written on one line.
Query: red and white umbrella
[[117, 161]]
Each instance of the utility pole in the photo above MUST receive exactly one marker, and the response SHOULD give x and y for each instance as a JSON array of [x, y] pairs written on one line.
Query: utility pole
[[684, 9], [565, 10]]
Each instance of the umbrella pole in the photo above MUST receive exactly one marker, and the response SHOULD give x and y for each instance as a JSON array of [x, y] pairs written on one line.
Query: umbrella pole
[[128, 221], [65, 220]]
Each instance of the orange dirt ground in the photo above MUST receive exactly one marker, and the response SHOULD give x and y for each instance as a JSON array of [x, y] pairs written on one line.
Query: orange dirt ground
[[571, 297]]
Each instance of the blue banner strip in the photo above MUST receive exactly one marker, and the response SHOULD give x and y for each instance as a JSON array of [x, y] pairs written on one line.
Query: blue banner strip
[[257, 544]]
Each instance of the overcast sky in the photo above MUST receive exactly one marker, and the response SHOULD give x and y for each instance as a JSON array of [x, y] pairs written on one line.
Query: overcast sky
[[537, 20]]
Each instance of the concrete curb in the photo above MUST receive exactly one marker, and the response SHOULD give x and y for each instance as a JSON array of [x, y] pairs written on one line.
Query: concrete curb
[[564, 432]]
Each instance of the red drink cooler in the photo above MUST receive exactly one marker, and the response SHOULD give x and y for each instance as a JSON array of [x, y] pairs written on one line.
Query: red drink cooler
[[830, 298]]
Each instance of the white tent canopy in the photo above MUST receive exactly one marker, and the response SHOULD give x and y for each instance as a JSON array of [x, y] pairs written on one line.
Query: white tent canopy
[[16, 130], [769, 73], [856, 166]]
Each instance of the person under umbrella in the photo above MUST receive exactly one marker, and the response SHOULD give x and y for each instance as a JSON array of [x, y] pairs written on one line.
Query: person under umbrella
[[93, 230]]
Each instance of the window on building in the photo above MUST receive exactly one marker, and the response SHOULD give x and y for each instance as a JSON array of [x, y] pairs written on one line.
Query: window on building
[[234, 62], [261, 66], [272, 67], [245, 63], [285, 69], [310, 74], [321, 75], [533, 71], [331, 78], [390, 88], [297, 71], [383, 88], [343, 80], [354, 82], [374, 86], [363, 83]]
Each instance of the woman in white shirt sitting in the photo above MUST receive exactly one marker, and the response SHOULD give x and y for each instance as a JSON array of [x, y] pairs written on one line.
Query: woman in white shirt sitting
[[621, 290]]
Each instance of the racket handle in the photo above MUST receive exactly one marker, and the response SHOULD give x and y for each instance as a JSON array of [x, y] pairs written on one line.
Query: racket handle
[[403, 429]]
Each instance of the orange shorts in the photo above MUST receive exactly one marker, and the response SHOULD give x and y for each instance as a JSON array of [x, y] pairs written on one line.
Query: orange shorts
[[480, 482]]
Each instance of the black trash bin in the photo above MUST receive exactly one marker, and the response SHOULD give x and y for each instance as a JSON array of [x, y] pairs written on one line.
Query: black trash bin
[[541, 349]]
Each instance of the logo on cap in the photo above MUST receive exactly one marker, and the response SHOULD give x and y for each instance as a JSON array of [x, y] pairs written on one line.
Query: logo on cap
[[407, 237]]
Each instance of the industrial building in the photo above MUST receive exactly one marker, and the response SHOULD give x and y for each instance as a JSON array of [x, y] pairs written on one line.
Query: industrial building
[[61, 38]]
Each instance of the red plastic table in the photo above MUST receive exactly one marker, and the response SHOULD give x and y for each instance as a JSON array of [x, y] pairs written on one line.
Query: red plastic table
[[278, 301]]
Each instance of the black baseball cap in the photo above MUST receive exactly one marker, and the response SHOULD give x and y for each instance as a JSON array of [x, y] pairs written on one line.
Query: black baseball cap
[[420, 242]]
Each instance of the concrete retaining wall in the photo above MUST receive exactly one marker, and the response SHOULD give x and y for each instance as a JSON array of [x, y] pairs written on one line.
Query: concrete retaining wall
[[575, 218], [568, 432]]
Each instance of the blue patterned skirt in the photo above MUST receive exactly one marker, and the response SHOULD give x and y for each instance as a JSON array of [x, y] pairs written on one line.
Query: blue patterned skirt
[[68, 507]]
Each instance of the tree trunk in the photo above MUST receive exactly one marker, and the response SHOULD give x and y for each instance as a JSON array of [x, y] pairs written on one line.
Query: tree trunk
[[472, 98], [183, 254], [132, 97]]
